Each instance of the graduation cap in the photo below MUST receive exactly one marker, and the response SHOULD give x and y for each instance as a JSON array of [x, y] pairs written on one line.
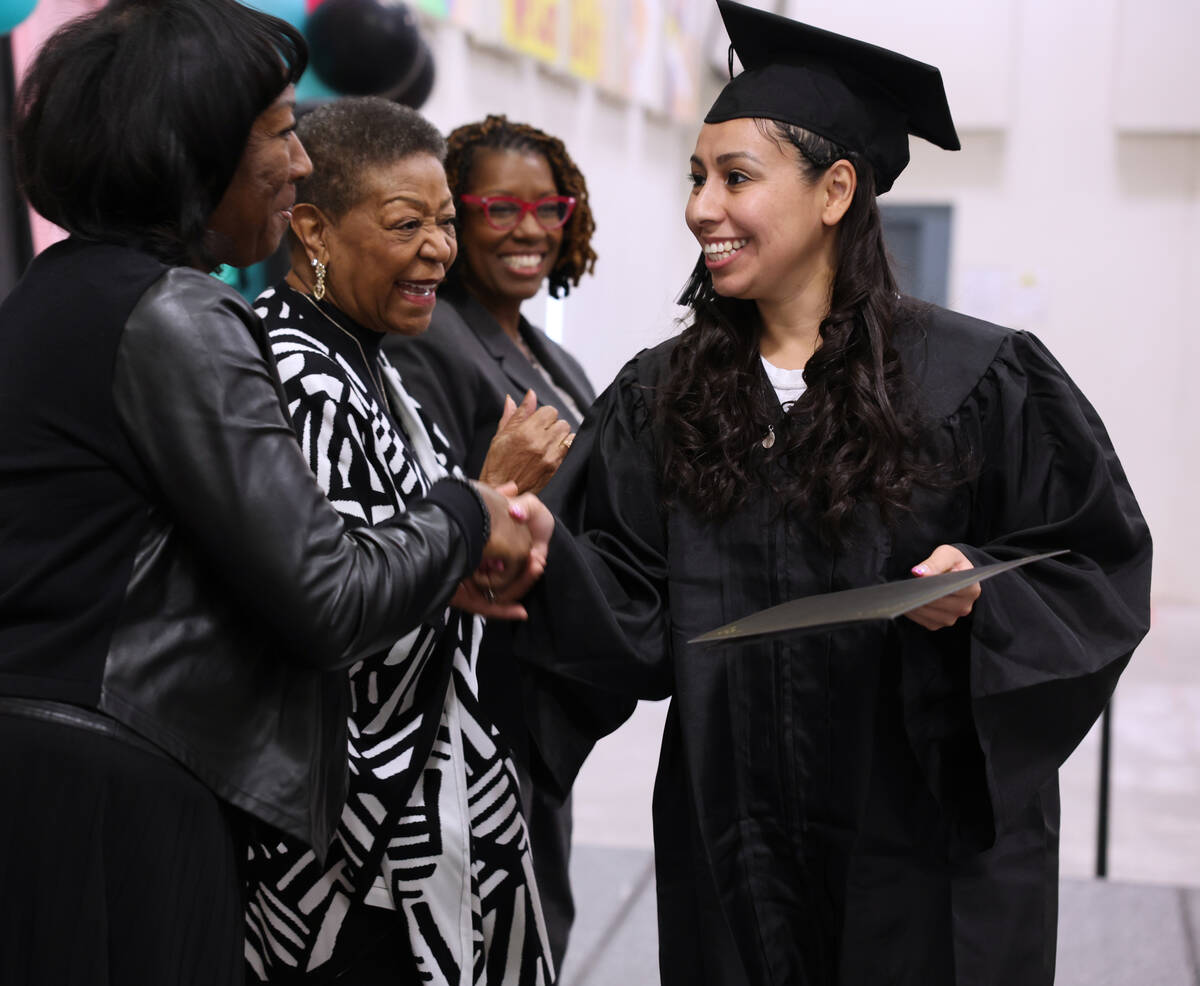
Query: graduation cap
[[864, 98]]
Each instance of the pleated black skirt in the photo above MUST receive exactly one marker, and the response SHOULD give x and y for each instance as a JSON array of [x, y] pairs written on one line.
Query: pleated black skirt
[[117, 867]]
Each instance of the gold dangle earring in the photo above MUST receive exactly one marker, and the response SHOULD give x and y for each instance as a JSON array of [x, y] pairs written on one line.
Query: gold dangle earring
[[319, 288]]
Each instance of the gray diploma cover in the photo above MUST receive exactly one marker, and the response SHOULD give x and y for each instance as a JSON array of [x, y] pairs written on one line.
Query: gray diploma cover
[[875, 602]]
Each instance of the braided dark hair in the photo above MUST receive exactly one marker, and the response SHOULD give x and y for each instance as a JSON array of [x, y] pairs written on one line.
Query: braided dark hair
[[496, 133], [851, 436]]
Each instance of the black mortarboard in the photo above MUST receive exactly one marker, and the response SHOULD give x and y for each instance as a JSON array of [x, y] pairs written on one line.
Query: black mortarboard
[[866, 99]]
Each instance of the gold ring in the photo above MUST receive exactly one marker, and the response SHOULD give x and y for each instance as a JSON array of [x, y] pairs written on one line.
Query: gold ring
[[566, 442]]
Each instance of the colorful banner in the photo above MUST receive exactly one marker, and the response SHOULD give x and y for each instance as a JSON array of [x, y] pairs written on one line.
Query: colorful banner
[[532, 27], [641, 77], [586, 45], [682, 28], [645, 51]]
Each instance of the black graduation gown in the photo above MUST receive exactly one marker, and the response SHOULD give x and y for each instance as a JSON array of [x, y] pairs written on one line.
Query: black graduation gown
[[876, 804]]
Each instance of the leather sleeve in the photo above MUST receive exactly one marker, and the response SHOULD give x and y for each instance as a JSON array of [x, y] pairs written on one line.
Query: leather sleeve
[[196, 391]]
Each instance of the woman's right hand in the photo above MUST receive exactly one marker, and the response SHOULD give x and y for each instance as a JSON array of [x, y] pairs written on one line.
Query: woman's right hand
[[506, 553], [528, 446], [504, 577], [948, 610]]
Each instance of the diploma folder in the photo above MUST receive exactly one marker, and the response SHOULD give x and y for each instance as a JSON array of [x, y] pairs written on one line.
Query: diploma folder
[[875, 602]]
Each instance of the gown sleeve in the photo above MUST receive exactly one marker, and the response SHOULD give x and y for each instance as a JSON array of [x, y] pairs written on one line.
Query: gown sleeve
[[1046, 643], [598, 634]]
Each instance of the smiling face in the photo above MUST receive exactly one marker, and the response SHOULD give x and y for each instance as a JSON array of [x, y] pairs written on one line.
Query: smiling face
[[504, 267], [255, 209], [765, 230], [387, 255]]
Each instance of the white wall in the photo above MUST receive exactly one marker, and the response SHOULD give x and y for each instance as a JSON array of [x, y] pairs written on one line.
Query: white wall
[[1080, 220], [1076, 203]]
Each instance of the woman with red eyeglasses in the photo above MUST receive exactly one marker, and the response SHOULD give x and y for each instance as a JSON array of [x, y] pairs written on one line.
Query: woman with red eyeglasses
[[484, 373]]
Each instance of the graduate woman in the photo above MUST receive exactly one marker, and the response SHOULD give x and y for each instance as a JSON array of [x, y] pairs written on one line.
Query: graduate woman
[[877, 803]]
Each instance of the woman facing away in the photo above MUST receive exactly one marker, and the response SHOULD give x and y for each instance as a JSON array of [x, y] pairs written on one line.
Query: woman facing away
[[177, 597], [524, 220], [876, 803], [429, 877]]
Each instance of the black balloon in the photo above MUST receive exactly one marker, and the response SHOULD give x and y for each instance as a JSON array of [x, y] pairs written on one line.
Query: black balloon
[[417, 84], [363, 47]]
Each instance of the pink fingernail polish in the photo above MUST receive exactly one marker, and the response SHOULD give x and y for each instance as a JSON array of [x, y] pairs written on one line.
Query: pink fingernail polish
[[919, 570], [517, 512]]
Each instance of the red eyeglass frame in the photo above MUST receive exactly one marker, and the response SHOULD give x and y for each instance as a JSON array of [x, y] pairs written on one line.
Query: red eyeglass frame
[[525, 207]]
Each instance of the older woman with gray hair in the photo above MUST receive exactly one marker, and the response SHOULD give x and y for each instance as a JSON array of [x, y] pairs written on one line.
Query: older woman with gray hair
[[429, 876]]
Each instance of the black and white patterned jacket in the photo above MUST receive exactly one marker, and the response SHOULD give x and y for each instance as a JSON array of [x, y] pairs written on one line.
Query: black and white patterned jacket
[[432, 826]]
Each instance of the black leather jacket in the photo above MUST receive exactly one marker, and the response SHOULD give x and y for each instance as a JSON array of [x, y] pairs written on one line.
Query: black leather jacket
[[247, 592]]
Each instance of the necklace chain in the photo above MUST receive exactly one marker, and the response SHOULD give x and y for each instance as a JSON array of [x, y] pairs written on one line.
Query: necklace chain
[[353, 338]]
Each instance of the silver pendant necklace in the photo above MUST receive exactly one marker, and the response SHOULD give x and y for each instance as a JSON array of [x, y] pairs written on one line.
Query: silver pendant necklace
[[353, 338]]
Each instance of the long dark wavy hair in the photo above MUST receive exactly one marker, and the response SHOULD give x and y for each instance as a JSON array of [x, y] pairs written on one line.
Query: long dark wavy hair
[[851, 436]]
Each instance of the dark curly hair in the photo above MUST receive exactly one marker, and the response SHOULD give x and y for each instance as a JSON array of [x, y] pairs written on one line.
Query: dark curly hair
[[132, 120], [496, 133], [851, 436]]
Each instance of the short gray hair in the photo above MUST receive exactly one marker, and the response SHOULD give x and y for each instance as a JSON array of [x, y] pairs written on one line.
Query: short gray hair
[[348, 137]]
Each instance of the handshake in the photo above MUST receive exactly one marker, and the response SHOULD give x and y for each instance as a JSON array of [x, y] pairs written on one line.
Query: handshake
[[529, 444], [514, 556]]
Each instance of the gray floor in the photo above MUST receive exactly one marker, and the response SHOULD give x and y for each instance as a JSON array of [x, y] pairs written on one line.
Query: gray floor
[[1139, 927], [1110, 934]]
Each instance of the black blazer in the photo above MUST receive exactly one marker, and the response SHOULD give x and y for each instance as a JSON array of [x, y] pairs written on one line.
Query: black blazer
[[462, 368]]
